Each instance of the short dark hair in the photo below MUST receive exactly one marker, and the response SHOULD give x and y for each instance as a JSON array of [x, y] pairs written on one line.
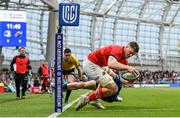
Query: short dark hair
[[21, 48], [134, 45], [67, 50]]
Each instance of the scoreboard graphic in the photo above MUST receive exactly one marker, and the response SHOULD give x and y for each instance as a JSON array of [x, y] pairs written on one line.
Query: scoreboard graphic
[[12, 28]]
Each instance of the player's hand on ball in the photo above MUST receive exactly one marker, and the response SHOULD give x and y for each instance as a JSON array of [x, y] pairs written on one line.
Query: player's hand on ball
[[131, 69], [124, 81], [131, 76]]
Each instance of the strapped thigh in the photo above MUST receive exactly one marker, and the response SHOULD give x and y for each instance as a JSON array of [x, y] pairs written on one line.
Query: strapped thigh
[[105, 79]]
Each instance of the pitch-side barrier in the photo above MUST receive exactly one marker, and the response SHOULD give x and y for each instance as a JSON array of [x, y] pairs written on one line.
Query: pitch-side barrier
[[156, 85]]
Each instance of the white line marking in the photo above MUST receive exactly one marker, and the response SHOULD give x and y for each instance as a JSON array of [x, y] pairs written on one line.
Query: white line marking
[[54, 115]]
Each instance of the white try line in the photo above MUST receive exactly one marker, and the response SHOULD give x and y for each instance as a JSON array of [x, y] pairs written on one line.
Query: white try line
[[54, 115]]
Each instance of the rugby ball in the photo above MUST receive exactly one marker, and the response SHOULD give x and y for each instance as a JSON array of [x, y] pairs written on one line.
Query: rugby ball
[[130, 76]]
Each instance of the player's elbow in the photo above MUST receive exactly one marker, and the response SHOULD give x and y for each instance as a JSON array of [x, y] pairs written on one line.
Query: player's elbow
[[111, 64]]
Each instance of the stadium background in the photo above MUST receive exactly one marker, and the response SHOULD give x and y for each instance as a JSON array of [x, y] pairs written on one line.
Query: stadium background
[[154, 24]]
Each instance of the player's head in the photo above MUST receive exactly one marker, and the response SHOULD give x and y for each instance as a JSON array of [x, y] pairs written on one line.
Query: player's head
[[67, 54], [131, 49], [22, 51]]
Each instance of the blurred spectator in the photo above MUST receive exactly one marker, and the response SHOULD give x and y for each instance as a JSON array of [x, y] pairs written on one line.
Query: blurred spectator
[[158, 77], [35, 84], [36, 80], [44, 74]]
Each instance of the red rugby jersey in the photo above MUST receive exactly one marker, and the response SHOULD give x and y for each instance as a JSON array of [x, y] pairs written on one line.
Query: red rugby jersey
[[100, 56]]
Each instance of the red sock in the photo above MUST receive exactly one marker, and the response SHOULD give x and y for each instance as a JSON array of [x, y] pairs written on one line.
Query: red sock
[[96, 95]]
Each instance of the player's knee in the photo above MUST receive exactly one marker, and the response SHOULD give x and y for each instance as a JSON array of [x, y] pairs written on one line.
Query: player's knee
[[113, 89]]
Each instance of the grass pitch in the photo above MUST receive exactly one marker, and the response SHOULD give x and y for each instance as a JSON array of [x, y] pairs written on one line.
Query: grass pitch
[[40, 105], [137, 102]]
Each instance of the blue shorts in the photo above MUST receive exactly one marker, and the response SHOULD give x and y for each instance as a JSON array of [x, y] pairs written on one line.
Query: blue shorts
[[114, 97]]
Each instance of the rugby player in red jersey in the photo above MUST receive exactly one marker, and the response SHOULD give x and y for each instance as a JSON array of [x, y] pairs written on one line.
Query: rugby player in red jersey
[[113, 56]]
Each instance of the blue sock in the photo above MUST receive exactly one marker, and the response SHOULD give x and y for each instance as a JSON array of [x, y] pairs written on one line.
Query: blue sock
[[64, 86]]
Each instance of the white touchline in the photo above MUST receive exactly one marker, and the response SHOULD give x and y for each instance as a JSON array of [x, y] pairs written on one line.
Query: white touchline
[[54, 115]]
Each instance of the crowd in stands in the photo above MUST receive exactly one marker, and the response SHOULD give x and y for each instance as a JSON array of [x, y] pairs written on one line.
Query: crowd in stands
[[159, 77], [147, 77], [6, 77]]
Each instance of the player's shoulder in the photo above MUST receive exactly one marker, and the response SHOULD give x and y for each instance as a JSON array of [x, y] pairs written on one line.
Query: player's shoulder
[[117, 50], [74, 58], [16, 56], [118, 46]]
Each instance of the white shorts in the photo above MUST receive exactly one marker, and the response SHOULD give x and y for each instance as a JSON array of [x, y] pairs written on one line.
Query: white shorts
[[95, 72]]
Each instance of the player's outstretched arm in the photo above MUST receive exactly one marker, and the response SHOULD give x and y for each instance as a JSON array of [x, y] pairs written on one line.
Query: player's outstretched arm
[[114, 64]]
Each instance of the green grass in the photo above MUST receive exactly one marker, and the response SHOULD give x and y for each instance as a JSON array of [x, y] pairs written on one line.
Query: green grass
[[137, 102], [40, 105]]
